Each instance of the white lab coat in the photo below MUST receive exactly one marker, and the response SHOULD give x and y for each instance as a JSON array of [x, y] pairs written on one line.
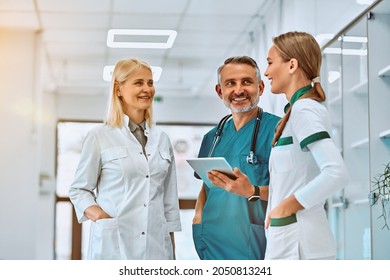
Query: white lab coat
[[139, 194]]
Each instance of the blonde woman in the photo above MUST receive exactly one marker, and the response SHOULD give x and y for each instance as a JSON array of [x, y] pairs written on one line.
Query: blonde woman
[[126, 181], [306, 167]]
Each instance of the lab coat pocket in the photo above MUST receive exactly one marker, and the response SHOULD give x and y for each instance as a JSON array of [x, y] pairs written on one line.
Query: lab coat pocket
[[104, 240], [164, 160], [112, 154], [283, 242]]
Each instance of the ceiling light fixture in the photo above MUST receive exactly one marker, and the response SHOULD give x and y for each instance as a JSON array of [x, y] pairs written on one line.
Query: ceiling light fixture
[[321, 38], [355, 39], [163, 38], [345, 51], [364, 2], [107, 72]]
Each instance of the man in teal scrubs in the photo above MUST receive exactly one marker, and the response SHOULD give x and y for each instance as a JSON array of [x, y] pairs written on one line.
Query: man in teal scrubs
[[230, 225]]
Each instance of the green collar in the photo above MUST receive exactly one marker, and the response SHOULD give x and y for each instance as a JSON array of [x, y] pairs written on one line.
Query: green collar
[[296, 96]]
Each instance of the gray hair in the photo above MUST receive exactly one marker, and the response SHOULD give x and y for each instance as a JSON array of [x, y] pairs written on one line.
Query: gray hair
[[240, 60]]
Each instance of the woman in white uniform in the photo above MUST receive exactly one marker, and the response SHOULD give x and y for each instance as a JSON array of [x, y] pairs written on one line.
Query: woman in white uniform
[[126, 181], [306, 167]]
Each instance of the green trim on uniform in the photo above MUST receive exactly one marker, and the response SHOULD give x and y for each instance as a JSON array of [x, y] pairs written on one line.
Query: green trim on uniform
[[296, 96], [284, 141], [285, 221], [313, 138]]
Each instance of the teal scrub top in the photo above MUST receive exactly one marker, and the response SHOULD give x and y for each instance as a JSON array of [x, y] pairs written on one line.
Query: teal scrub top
[[233, 228]]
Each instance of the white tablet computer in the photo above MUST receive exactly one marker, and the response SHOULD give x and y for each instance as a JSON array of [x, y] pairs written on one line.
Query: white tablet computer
[[203, 165]]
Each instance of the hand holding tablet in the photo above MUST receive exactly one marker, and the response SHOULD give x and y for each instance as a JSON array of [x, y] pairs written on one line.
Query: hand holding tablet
[[204, 165]]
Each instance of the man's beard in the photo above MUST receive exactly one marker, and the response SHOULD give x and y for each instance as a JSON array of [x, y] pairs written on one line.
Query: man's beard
[[242, 110]]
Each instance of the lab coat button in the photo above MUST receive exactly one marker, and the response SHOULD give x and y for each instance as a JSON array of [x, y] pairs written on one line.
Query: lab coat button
[[145, 204], [143, 233], [147, 176]]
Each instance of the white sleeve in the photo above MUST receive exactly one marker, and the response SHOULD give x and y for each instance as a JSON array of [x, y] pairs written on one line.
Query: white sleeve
[[171, 205], [333, 174], [171, 199], [310, 121], [81, 191]]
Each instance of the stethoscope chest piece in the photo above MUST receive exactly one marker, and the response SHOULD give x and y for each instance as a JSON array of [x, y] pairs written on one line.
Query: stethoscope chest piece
[[251, 158]]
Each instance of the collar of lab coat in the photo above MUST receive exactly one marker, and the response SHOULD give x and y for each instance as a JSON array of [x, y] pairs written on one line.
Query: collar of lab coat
[[133, 126], [296, 96], [126, 121]]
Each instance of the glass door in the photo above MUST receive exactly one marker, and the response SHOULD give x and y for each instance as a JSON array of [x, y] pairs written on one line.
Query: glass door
[[356, 141], [331, 73], [345, 65]]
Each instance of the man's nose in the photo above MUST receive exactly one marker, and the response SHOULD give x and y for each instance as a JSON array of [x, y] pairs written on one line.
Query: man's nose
[[238, 89]]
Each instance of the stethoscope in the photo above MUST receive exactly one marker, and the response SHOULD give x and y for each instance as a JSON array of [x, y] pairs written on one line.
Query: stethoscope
[[251, 158]]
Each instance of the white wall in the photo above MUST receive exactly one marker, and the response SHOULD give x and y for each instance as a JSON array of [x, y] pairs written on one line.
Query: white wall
[[19, 145]]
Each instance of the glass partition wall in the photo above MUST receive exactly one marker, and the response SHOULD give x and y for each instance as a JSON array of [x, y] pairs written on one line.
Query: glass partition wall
[[356, 141], [356, 77], [345, 65]]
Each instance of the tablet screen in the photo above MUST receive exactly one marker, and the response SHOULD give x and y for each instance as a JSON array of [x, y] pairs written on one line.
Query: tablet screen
[[204, 165]]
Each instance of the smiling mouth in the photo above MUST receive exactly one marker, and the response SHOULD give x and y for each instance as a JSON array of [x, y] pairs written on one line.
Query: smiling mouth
[[239, 99]]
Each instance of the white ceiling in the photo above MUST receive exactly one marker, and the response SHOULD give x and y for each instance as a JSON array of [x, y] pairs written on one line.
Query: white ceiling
[[74, 34]]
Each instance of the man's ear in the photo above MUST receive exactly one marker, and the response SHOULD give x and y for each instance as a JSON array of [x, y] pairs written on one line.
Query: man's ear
[[218, 90], [261, 88], [293, 65]]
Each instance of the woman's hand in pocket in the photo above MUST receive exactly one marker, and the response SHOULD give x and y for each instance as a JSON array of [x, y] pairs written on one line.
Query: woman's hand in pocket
[[95, 213], [286, 207]]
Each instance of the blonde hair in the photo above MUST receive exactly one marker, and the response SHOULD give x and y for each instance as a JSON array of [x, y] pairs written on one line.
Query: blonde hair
[[305, 49], [122, 71]]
